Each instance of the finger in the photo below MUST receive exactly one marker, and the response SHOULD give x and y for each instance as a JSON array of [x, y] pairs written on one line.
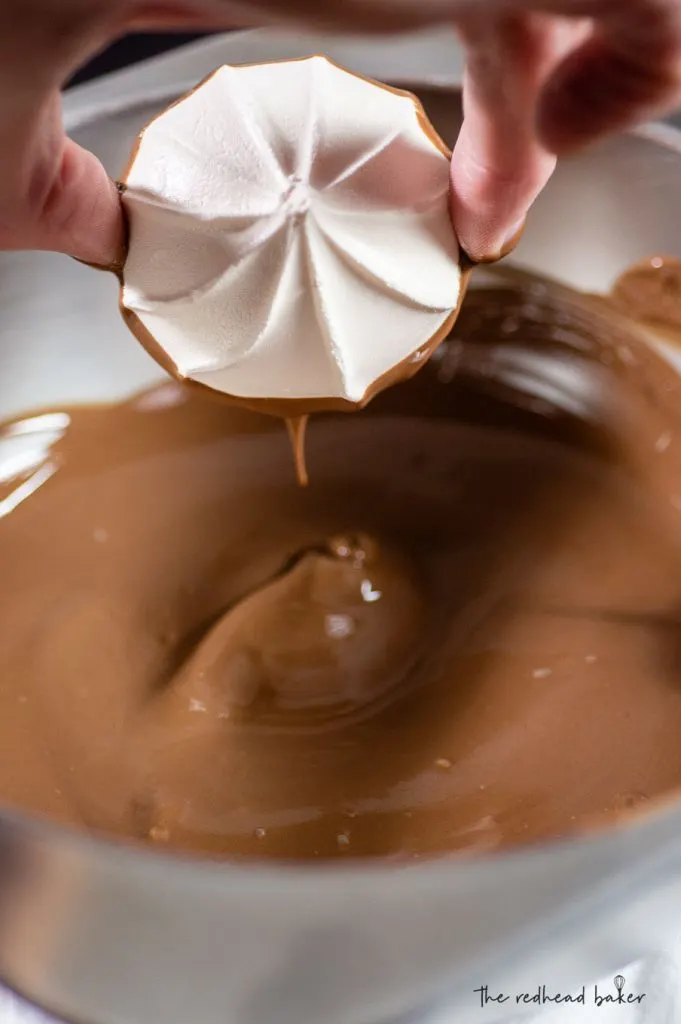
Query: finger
[[78, 212], [371, 16], [196, 15], [56, 195], [498, 166], [626, 72], [82, 213], [43, 174]]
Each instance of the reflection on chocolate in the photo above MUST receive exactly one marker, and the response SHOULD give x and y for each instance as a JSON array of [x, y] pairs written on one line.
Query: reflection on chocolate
[[276, 657], [650, 292], [465, 633]]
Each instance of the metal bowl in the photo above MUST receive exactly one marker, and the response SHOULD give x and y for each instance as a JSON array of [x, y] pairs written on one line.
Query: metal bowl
[[106, 934]]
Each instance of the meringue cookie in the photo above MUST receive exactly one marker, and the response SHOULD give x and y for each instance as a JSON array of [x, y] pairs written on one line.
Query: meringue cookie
[[290, 236]]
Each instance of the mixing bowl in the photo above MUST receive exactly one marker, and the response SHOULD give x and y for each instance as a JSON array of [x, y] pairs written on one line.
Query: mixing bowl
[[101, 933]]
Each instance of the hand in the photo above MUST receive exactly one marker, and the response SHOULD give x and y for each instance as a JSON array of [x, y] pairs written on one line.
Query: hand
[[541, 80], [56, 195]]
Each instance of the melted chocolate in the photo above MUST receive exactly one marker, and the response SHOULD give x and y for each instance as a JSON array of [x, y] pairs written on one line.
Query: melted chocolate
[[297, 428], [650, 292], [464, 634]]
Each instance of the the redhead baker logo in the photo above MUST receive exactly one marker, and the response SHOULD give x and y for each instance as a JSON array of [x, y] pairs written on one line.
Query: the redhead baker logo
[[598, 995], [619, 996]]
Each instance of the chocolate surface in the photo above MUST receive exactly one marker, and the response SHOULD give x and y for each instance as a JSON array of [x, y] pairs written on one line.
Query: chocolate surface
[[650, 291], [465, 632]]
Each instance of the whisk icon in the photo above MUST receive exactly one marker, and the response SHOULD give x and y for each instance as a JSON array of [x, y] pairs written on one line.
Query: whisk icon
[[619, 981]]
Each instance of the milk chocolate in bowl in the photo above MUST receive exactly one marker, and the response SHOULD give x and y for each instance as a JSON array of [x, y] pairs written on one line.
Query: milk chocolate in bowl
[[465, 633]]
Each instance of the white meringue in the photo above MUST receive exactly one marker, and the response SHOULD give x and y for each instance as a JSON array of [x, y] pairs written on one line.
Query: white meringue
[[290, 235]]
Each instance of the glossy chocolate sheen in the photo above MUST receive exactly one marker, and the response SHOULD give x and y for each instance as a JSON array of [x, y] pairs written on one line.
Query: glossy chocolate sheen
[[464, 634]]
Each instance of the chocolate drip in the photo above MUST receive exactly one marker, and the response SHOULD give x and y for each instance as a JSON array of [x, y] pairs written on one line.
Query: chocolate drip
[[297, 426]]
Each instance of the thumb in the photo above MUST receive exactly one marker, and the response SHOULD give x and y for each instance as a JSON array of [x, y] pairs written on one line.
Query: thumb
[[81, 214], [57, 196]]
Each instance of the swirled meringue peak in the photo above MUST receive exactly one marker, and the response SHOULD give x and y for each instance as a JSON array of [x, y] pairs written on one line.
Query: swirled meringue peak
[[290, 236]]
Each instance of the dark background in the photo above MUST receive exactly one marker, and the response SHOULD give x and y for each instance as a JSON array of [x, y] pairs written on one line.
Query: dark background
[[129, 50]]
